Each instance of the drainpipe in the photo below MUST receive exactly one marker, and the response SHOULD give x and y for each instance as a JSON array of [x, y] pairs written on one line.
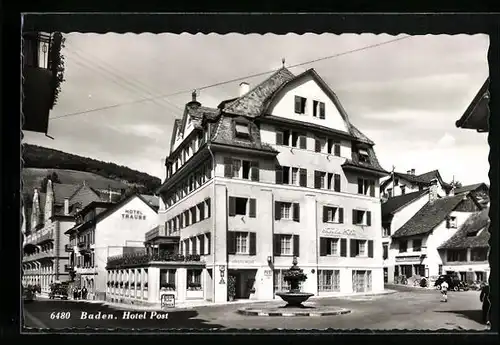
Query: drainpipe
[[57, 247], [213, 212]]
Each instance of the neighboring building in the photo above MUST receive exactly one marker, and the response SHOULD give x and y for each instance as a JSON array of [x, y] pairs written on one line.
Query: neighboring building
[[399, 183], [414, 247], [42, 76], [278, 172], [481, 192], [396, 212], [105, 229], [45, 256], [467, 251], [477, 113]]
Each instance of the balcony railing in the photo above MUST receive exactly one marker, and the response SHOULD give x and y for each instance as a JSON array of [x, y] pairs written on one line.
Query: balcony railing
[[49, 236], [68, 268], [68, 248], [83, 246], [137, 259]]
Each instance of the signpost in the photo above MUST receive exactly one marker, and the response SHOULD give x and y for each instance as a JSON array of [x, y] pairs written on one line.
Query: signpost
[[167, 301]]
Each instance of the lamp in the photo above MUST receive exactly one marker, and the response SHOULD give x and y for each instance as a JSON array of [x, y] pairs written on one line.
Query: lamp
[[269, 259]]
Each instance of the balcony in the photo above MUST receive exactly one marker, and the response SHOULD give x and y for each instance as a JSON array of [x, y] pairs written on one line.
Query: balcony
[[42, 74], [83, 246], [49, 236], [159, 235], [68, 248], [141, 259]]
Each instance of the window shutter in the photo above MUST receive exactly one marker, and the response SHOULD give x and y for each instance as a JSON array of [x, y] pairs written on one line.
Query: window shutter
[[253, 243], [253, 208], [208, 243], [277, 210], [232, 206], [231, 242], [279, 138], [202, 245], [337, 149], [360, 186], [448, 222], [317, 145], [343, 247], [297, 105], [276, 245], [228, 167], [202, 211], [372, 188], [353, 216], [303, 142], [341, 215], [336, 186], [317, 180], [255, 171], [370, 248], [296, 245], [209, 208], [303, 177], [352, 244], [296, 212], [368, 218], [322, 246], [171, 276], [321, 110], [325, 214], [279, 174]]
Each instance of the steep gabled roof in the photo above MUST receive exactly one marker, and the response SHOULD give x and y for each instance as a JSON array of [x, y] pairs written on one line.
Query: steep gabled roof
[[420, 180], [470, 188], [429, 216], [63, 191], [392, 205], [472, 118], [467, 236]]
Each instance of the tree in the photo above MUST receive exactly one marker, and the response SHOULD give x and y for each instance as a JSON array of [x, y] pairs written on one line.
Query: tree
[[51, 176]]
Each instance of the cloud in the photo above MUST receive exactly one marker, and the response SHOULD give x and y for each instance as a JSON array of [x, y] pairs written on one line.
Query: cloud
[[446, 141]]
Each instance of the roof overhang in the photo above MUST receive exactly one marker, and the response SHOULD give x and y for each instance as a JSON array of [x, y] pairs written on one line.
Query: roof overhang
[[366, 170], [477, 113]]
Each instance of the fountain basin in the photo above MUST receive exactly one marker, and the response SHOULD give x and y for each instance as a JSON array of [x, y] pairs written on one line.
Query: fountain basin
[[294, 299]]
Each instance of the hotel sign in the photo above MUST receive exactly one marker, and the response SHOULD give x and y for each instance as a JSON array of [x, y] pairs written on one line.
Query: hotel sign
[[335, 232], [133, 214], [408, 258]]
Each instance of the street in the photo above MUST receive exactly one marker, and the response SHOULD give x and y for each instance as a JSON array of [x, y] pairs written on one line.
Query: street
[[408, 308]]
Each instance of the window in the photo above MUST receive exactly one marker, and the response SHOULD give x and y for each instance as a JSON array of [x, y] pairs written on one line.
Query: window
[[193, 215], [287, 210], [363, 156], [242, 130], [333, 182], [389, 192], [333, 214], [280, 284], [295, 176], [286, 245], [403, 246], [290, 175], [334, 147], [241, 242], [319, 179], [237, 168], [451, 222], [417, 245], [479, 254], [319, 144], [186, 218], [300, 105], [239, 206], [167, 279], [366, 187], [194, 246], [360, 217], [361, 281], [456, 255], [201, 211], [299, 140], [193, 279], [328, 280], [208, 207], [361, 248], [386, 229], [385, 251], [403, 190], [480, 276]]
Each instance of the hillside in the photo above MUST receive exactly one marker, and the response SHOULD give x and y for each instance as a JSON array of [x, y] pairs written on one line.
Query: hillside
[[40, 161]]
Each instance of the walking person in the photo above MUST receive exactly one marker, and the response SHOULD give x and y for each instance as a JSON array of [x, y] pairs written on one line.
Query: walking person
[[444, 291], [484, 297], [84, 293]]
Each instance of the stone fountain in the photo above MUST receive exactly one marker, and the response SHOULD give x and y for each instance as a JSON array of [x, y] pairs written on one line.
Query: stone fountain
[[294, 297]]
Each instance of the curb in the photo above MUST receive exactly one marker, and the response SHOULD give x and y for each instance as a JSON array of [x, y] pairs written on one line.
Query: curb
[[258, 312]]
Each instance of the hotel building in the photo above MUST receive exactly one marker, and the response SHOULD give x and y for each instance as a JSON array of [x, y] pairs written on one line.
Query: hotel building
[[278, 172]]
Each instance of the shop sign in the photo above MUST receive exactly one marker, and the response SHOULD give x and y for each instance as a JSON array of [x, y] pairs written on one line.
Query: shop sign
[[248, 262], [167, 301], [133, 214], [408, 258], [335, 232]]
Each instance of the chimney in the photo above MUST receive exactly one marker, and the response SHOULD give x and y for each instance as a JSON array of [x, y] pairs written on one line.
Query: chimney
[[413, 171], [66, 206], [433, 189], [408, 172], [194, 102], [244, 88]]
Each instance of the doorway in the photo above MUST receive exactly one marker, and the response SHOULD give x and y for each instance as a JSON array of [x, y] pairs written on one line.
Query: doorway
[[245, 282]]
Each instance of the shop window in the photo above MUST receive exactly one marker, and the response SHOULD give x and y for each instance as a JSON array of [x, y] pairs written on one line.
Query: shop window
[[194, 279], [328, 280]]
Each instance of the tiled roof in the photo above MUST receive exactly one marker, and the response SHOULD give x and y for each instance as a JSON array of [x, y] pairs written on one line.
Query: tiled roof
[[62, 191], [472, 117], [152, 200], [359, 135], [469, 188], [422, 179], [253, 102], [429, 216], [393, 204], [467, 237], [372, 165]]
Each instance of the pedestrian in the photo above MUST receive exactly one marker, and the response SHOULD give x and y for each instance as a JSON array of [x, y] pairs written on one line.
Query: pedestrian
[[444, 291], [75, 293], [484, 297], [84, 293]]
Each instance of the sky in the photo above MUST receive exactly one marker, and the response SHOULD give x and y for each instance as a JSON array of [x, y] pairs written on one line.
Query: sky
[[405, 95]]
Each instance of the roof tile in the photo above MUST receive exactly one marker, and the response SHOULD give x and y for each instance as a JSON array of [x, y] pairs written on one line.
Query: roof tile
[[395, 203], [463, 239]]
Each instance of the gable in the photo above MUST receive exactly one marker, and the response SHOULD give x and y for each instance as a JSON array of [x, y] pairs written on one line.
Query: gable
[[308, 87], [84, 196], [134, 211]]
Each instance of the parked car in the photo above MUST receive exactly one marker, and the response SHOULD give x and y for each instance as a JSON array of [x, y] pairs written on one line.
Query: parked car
[[454, 283], [28, 294], [58, 290]]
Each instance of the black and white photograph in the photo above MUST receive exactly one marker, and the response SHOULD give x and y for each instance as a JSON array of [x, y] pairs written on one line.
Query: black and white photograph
[[255, 181]]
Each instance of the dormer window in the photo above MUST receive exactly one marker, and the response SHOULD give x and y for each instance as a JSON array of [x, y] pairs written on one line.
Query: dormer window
[[242, 130], [451, 222], [300, 105], [363, 156]]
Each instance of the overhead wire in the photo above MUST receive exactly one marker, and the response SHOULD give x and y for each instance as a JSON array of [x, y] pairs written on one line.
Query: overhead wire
[[231, 80]]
